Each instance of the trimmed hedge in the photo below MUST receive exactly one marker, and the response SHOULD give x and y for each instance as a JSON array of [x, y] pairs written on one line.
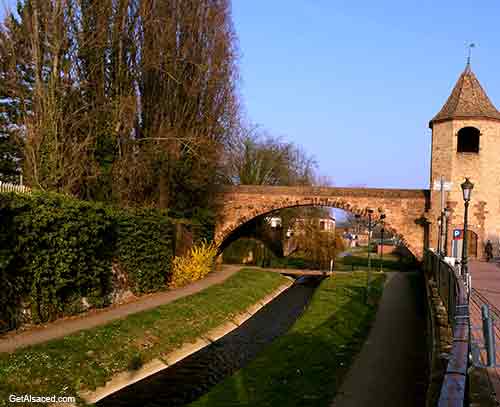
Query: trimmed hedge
[[56, 251], [144, 247]]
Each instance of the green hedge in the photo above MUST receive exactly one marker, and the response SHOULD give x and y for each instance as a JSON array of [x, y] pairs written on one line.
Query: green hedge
[[201, 223], [144, 247], [264, 257], [55, 250], [240, 248]]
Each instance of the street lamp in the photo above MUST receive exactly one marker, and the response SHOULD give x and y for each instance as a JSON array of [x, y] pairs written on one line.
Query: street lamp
[[368, 273], [382, 217], [357, 216], [467, 187], [370, 212], [440, 233], [446, 213]]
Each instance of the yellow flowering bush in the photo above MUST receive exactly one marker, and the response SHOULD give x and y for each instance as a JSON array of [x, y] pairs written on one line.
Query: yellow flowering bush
[[195, 265]]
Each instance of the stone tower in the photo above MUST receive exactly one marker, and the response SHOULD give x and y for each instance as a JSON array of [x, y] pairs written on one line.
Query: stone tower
[[466, 143]]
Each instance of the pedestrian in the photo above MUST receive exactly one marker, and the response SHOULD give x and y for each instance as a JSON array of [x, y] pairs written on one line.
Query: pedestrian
[[488, 249]]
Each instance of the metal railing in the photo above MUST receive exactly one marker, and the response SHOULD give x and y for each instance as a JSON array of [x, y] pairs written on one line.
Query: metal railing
[[484, 344], [453, 293]]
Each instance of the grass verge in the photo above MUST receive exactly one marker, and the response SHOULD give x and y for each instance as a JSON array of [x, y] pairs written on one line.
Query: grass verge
[[89, 358], [306, 366], [358, 261]]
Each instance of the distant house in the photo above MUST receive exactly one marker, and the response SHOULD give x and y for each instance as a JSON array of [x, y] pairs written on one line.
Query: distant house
[[274, 221], [325, 224]]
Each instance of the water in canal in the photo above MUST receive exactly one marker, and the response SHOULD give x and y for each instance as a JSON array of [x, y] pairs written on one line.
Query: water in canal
[[195, 375]]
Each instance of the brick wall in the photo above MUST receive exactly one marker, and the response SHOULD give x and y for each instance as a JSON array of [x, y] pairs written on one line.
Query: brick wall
[[404, 208]]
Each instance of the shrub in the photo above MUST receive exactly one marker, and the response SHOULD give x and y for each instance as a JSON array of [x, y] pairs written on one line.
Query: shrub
[[56, 250], [136, 362], [203, 222], [144, 246], [197, 264]]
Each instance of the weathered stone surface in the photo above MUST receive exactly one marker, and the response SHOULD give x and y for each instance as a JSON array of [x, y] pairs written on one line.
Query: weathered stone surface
[[404, 208], [468, 106], [220, 331]]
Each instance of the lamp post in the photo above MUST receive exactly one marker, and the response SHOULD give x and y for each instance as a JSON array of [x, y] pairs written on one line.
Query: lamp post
[[440, 234], [446, 217], [467, 187], [358, 223], [368, 273], [382, 217], [370, 212]]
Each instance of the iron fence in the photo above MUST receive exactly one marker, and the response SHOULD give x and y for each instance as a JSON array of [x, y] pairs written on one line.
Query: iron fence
[[453, 293], [485, 343]]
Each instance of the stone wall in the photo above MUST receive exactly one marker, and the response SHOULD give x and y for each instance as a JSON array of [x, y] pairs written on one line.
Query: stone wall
[[482, 168]]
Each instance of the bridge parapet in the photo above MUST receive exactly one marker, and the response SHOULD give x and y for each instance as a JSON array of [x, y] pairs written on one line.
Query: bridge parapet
[[404, 208]]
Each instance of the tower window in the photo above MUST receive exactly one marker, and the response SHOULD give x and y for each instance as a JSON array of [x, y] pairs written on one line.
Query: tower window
[[468, 140]]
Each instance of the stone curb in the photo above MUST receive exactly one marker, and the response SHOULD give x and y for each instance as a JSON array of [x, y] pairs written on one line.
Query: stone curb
[[124, 379]]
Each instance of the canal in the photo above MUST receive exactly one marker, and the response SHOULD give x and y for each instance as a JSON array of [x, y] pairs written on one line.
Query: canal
[[195, 375]]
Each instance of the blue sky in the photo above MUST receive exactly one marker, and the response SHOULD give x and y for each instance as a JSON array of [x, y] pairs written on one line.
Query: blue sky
[[356, 82]]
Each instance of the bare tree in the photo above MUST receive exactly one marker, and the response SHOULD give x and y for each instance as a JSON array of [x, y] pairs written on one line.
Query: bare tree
[[257, 158], [127, 99]]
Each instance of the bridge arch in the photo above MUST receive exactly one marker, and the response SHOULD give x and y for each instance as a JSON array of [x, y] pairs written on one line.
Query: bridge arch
[[404, 209]]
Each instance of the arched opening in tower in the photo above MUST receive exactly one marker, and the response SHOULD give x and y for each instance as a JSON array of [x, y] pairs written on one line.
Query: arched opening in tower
[[468, 140]]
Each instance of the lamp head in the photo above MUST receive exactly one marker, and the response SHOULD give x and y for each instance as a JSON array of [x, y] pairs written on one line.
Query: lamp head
[[467, 187], [447, 212]]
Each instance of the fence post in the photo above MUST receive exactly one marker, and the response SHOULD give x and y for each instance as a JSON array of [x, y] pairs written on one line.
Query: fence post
[[489, 339]]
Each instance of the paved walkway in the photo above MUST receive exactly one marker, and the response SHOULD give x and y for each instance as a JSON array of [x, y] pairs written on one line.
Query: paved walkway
[[57, 329], [486, 290], [390, 370], [486, 279]]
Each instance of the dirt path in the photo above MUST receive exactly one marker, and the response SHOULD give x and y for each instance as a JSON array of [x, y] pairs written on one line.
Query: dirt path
[[390, 370], [57, 329]]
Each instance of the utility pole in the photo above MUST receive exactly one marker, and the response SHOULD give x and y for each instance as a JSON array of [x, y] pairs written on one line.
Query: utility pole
[[441, 185], [441, 192]]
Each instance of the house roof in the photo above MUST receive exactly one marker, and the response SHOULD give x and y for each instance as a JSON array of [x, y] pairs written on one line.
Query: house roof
[[468, 99]]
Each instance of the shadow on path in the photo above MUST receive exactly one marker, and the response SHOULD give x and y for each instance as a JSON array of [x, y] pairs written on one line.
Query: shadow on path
[[391, 369]]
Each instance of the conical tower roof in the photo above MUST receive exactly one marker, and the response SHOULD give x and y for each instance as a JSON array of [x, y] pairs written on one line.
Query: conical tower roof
[[468, 99]]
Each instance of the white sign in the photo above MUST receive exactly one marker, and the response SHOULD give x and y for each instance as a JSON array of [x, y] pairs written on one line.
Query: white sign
[[446, 185]]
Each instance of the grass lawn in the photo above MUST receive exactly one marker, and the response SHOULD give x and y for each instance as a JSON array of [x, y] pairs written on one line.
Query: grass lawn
[[306, 366], [89, 358], [358, 261]]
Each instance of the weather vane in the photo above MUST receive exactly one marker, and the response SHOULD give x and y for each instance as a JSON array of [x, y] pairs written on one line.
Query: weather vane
[[470, 46]]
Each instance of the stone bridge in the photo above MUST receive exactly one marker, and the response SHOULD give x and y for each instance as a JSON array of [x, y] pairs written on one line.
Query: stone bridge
[[405, 209]]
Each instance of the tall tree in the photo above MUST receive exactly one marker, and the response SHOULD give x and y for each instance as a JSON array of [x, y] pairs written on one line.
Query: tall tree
[[188, 63], [130, 100], [16, 81]]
